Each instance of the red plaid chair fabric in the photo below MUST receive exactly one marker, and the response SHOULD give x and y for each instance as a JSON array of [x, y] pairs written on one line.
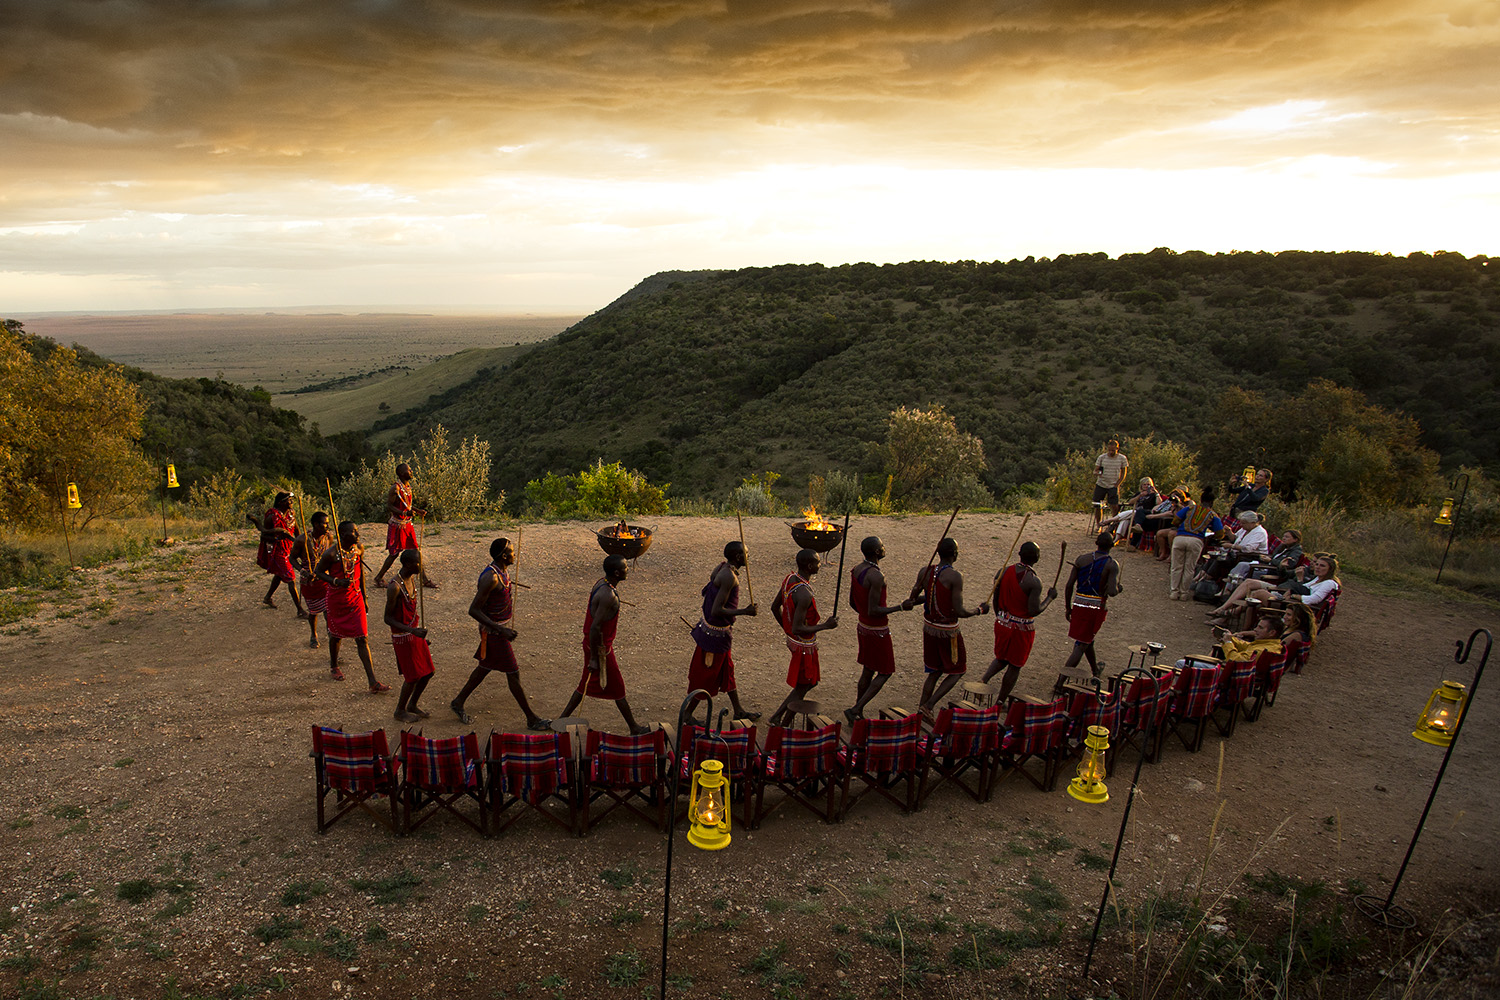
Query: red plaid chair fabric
[[962, 740], [437, 775], [882, 753], [735, 748], [1324, 611], [1143, 714], [1237, 685], [1091, 708], [530, 771], [355, 768], [623, 769], [803, 763], [1296, 654], [1034, 732], [1269, 669], [1194, 695]]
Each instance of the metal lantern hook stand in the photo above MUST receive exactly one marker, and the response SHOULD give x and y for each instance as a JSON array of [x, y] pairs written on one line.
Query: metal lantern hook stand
[[1388, 913], [692, 699], [1453, 522], [1109, 880]]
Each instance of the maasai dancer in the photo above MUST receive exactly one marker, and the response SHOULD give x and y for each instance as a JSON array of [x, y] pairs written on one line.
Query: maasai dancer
[[601, 673], [712, 668], [400, 535], [306, 556], [278, 533], [1096, 577], [940, 588], [797, 610], [408, 637], [876, 653], [1018, 600], [492, 608], [343, 569]]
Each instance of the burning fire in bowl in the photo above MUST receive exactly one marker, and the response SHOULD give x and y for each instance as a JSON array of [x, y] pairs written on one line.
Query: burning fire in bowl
[[628, 540], [814, 532]]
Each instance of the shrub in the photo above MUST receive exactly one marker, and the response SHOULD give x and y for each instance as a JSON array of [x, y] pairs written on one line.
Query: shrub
[[753, 496], [841, 492], [221, 498], [924, 450], [1070, 483], [451, 483], [601, 490]]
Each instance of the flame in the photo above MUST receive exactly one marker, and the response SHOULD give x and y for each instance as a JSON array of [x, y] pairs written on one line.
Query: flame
[[623, 530], [815, 521]]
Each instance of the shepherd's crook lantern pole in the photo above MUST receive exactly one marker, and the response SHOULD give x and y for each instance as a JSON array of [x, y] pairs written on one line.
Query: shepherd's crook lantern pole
[[1448, 515]]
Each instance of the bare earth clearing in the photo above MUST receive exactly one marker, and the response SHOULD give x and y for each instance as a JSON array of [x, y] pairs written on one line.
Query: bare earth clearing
[[159, 725]]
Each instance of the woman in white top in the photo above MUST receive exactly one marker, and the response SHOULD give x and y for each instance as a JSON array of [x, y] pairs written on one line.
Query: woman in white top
[[1312, 591]]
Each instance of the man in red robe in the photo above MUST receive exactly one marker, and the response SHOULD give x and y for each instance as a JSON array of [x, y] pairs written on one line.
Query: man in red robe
[[1018, 600], [797, 611], [278, 534], [408, 637], [343, 569], [712, 667], [493, 607], [876, 653], [940, 588], [601, 672]]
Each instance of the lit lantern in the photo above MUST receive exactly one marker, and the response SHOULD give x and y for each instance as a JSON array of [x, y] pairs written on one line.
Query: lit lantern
[[708, 807], [73, 502], [1248, 475], [1440, 716], [171, 476], [1089, 785], [1445, 516]]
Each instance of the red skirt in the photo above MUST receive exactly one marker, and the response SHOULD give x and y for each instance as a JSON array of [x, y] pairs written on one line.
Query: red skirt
[[495, 653], [1085, 623], [944, 654], [400, 536], [314, 594], [803, 670], [876, 652], [614, 687], [279, 564], [715, 677], [1013, 645], [346, 613], [413, 657]]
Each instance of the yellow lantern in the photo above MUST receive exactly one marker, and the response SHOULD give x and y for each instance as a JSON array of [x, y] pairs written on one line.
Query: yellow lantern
[[73, 502], [1441, 714], [1248, 475], [171, 476], [1089, 785], [708, 807], [1445, 516]]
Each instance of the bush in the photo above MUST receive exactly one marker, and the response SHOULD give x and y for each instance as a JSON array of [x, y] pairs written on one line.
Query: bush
[[601, 490], [1070, 483], [929, 456], [451, 483], [841, 492], [222, 498], [753, 497]]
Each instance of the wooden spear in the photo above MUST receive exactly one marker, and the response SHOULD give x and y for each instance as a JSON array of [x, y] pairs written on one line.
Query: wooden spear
[[748, 585], [1062, 557], [838, 588], [995, 586], [421, 572], [928, 578]]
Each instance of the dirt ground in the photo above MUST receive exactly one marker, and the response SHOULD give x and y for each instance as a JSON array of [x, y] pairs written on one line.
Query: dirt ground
[[157, 822]]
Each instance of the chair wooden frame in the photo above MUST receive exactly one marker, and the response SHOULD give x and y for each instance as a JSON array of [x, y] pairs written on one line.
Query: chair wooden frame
[[882, 754], [1195, 693], [962, 740], [426, 792], [1034, 730], [604, 775], [359, 774], [777, 766], [514, 760]]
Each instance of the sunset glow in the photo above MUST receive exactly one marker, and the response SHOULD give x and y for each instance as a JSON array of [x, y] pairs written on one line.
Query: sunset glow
[[545, 157]]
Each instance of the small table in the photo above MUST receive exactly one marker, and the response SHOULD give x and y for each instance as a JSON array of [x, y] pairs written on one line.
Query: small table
[[805, 708]]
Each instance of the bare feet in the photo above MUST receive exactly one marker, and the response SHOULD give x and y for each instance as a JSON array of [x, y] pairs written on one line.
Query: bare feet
[[401, 716], [430, 585], [380, 581], [268, 602], [378, 688], [312, 643], [851, 715], [302, 613], [539, 724], [420, 713], [458, 710], [639, 730]]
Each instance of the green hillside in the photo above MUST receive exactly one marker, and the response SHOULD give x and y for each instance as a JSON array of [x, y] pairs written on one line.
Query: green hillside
[[701, 378]]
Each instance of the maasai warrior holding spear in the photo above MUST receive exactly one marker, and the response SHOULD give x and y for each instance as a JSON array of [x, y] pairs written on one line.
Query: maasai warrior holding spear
[[1017, 600], [343, 569], [797, 610], [712, 668], [1096, 577], [493, 607], [400, 534], [408, 637], [601, 673], [278, 533], [309, 552], [867, 597], [940, 588]]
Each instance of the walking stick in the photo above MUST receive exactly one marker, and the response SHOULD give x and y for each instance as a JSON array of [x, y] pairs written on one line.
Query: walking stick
[[928, 577], [838, 588], [515, 578], [422, 572], [748, 585], [1062, 557]]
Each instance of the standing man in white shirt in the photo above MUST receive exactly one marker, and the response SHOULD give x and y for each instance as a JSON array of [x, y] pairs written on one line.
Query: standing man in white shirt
[[1110, 470]]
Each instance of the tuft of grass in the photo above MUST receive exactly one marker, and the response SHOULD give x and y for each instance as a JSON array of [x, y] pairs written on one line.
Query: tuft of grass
[[626, 918], [374, 934], [136, 891], [278, 928], [124, 762], [67, 812], [1091, 860], [772, 972], [619, 878], [297, 893], [339, 945], [475, 913], [394, 890], [1281, 886], [624, 969]]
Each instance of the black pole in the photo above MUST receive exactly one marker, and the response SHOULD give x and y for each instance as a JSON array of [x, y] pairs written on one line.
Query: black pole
[[1453, 524], [666, 896], [1387, 913], [163, 498], [1130, 801], [838, 586]]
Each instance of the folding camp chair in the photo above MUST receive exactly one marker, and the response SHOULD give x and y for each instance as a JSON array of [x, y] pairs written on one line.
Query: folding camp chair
[[883, 753], [355, 768], [1296, 654], [1194, 694], [1237, 685], [1326, 608], [735, 748], [803, 763], [623, 770], [962, 740], [531, 771], [1143, 716], [1090, 706], [1269, 668], [437, 775], [1034, 730]]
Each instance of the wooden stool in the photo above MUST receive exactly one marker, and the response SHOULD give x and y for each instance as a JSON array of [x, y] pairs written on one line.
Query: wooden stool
[[577, 727], [805, 708]]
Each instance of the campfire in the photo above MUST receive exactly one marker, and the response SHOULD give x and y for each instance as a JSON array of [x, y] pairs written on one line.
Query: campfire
[[814, 521], [621, 539], [814, 532]]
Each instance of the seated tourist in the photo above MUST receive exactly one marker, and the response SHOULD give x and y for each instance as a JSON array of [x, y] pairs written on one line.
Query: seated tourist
[[1309, 585], [1249, 496], [1250, 541], [1162, 520], [1139, 508], [1264, 637], [1282, 560]]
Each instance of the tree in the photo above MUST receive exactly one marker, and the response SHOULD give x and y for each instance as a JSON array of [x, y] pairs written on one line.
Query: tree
[[931, 458]]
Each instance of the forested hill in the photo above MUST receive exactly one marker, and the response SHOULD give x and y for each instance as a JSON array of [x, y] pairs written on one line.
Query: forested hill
[[703, 380], [204, 425]]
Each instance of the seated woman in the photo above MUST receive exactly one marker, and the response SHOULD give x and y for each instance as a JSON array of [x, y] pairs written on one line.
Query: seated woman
[[1250, 540], [1162, 519], [1299, 631], [1283, 559], [1249, 496], [1140, 507], [1310, 588]]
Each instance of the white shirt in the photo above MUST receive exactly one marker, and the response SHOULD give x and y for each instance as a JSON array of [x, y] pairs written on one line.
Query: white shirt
[[1253, 540], [1317, 590], [1113, 467]]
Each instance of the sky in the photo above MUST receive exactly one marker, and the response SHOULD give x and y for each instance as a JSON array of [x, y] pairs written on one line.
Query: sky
[[546, 156]]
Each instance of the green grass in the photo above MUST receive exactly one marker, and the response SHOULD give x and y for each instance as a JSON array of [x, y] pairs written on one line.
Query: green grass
[[620, 878], [771, 972], [1277, 884], [393, 890], [278, 928], [297, 893]]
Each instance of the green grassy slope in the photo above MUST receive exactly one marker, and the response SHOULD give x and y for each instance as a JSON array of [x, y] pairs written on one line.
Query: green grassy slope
[[794, 368]]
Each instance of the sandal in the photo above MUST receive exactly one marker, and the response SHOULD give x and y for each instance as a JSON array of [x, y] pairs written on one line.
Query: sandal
[[379, 688], [458, 710], [336, 674], [539, 725]]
